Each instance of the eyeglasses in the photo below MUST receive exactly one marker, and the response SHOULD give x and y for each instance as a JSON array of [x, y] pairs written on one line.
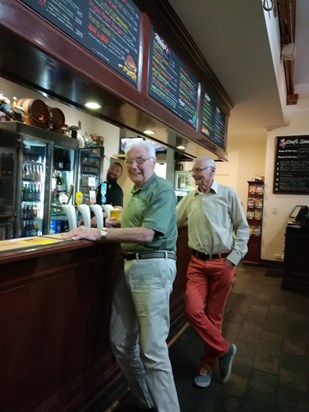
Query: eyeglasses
[[139, 161], [199, 169]]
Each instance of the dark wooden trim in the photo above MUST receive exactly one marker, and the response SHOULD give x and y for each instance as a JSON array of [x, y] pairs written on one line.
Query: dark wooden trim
[[33, 51], [287, 22]]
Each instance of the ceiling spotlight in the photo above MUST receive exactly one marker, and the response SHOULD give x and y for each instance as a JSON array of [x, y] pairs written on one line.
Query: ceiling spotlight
[[93, 105], [180, 147], [149, 132]]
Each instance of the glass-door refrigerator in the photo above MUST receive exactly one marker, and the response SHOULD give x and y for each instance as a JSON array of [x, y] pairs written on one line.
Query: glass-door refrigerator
[[35, 153], [64, 168], [90, 172], [8, 178], [184, 183], [34, 197]]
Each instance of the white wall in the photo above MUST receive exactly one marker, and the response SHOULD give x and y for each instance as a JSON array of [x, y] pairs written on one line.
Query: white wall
[[255, 156], [277, 207], [246, 159]]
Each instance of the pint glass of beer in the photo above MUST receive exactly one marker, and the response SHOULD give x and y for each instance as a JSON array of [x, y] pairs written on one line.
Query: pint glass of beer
[[115, 213]]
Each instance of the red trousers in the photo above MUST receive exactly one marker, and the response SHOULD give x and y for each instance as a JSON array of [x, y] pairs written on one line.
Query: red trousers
[[208, 286]]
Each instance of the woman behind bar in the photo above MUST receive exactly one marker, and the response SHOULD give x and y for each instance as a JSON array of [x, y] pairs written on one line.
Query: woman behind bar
[[140, 309]]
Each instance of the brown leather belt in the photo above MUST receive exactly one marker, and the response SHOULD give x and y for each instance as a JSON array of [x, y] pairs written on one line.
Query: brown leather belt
[[206, 256], [150, 255]]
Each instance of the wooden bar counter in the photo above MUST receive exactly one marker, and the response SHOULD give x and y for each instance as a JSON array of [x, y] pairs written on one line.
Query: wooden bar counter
[[55, 301]]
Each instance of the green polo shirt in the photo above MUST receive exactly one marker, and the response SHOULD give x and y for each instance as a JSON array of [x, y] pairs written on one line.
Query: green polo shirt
[[152, 206]]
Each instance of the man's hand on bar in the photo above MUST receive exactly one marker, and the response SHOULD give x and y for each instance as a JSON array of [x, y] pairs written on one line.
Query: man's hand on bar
[[83, 232]]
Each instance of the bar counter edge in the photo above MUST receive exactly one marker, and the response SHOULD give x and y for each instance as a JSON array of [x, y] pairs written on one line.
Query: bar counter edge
[[54, 323]]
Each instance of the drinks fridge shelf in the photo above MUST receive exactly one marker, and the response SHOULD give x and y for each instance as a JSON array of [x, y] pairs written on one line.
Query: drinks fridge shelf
[[33, 189], [90, 172]]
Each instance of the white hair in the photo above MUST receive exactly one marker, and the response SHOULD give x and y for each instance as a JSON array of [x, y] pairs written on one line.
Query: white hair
[[209, 161], [146, 144]]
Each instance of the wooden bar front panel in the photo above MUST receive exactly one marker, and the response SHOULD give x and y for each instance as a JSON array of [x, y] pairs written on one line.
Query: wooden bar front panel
[[54, 320], [54, 326]]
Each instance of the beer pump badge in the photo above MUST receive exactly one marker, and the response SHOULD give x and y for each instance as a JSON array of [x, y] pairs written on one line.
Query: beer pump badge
[[79, 198]]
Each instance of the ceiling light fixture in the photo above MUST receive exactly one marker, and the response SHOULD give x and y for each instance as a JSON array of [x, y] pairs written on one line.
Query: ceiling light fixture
[[93, 105], [180, 147], [149, 132]]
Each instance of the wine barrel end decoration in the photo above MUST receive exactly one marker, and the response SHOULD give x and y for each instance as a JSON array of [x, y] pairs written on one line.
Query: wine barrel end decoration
[[36, 112], [56, 118]]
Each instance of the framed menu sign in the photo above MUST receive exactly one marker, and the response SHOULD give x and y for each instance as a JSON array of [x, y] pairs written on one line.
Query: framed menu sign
[[170, 82], [110, 29], [213, 121], [292, 165]]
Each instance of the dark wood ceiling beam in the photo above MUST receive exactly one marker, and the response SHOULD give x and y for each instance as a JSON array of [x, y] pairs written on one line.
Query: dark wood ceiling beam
[[287, 22]]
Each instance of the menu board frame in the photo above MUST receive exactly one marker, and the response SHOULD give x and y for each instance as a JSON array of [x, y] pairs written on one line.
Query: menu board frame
[[75, 64], [213, 119], [171, 82], [109, 29], [291, 174]]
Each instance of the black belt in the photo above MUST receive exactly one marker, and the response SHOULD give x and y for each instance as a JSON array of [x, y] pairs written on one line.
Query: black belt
[[150, 255], [206, 256]]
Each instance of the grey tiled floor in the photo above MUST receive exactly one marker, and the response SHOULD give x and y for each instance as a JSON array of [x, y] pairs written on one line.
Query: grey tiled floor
[[270, 372]]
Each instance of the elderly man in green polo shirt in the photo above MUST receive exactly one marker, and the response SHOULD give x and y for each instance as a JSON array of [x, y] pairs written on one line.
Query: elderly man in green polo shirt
[[140, 309]]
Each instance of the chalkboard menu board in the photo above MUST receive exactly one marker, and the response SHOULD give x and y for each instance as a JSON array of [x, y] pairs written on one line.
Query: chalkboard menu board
[[292, 165], [170, 82], [213, 121], [108, 28]]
